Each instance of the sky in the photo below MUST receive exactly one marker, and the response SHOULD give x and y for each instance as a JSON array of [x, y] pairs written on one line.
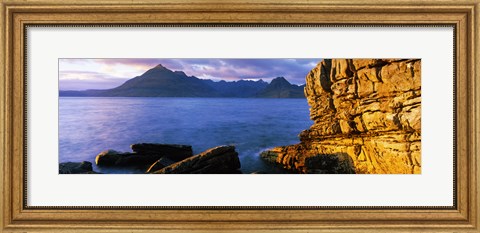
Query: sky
[[84, 74]]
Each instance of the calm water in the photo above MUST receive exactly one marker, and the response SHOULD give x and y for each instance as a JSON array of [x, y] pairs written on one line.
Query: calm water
[[91, 125]]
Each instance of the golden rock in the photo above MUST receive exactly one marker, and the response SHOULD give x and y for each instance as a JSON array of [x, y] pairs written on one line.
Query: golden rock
[[367, 119]]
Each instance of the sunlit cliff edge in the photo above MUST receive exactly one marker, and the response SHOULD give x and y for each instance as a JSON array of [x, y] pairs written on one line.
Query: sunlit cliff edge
[[367, 119]]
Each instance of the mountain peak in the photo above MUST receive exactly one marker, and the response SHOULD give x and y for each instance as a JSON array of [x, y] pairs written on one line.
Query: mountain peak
[[279, 87], [160, 81], [181, 73], [160, 66], [280, 81]]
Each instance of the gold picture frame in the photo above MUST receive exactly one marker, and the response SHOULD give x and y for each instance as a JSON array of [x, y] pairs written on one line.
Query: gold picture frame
[[464, 15]]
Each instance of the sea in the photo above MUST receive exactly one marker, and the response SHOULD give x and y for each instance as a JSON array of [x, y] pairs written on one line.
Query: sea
[[89, 125]]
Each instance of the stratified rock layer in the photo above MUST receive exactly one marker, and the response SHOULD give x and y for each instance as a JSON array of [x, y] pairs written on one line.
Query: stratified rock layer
[[368, 109]]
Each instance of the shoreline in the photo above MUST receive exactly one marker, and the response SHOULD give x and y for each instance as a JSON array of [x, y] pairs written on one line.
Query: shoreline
[[154, 158]]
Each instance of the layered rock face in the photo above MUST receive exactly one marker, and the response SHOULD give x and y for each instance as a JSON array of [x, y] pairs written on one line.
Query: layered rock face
[[367, 119]]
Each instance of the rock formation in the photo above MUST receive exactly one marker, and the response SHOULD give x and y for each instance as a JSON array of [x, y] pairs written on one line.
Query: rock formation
[[218, 160], [169, 159], [161, 163], [84, 167], [367, 119], [144, 154], [171, 151]]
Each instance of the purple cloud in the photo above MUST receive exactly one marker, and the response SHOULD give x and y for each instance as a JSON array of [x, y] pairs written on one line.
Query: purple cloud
[[84, 80], [80, 74]]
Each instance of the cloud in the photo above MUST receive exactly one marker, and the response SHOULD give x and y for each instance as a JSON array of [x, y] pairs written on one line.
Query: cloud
[[110, 72], [83, 80]]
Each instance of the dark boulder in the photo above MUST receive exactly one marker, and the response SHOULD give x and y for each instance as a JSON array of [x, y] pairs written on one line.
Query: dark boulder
[[218, 160], [84, 167], [110, 157], [125, 159], [171, 151]]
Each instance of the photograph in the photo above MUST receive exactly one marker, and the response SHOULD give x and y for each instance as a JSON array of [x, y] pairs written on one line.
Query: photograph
[[239, 116]]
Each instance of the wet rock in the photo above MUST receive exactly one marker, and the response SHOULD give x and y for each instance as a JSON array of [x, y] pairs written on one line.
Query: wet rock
[[84, 167], [171, 151], [125, 159], [218, 160], [109, 157]]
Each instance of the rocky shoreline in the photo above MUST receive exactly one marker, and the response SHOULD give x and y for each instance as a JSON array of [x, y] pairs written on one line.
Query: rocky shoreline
[[156, 158]]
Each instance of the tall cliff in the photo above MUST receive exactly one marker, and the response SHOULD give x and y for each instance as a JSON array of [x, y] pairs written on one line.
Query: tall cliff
[[367, 119]]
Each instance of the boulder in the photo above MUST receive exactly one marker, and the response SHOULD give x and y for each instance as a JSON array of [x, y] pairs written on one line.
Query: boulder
[[125, 159], [171, 151], [109, 157], [84, 167], [218, 160]]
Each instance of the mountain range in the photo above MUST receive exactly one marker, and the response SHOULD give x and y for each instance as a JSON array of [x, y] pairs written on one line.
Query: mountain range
[[162, 82]]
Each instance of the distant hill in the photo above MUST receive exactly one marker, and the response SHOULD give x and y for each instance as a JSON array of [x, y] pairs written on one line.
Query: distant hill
[[162, 82], [281, 88]]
